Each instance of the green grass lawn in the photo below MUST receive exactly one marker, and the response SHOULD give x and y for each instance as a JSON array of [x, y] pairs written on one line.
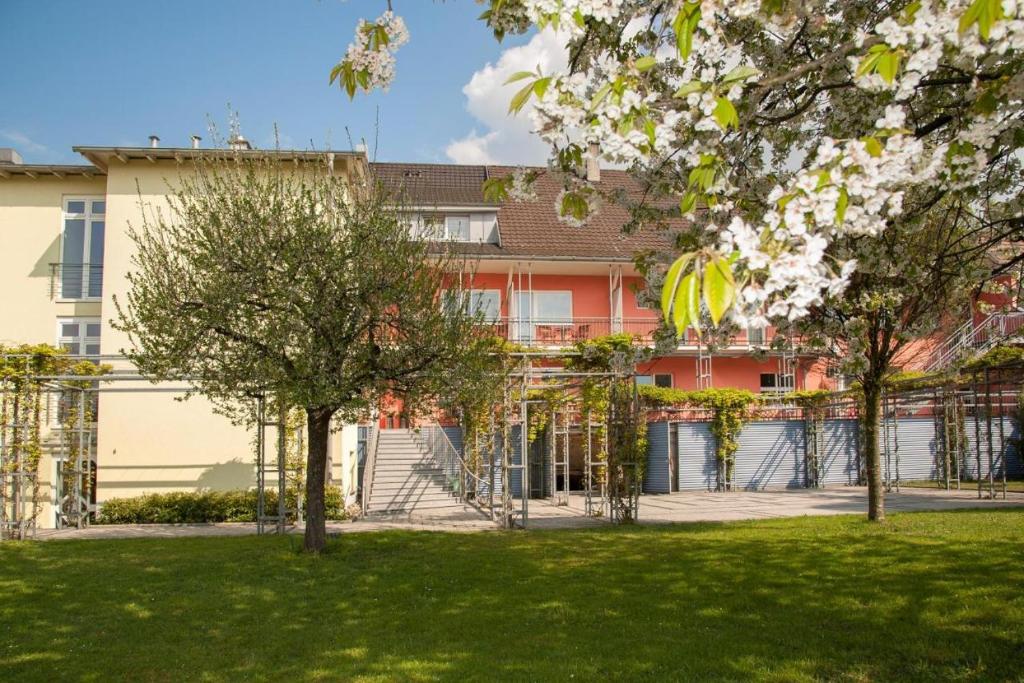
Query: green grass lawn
[[926, 596]]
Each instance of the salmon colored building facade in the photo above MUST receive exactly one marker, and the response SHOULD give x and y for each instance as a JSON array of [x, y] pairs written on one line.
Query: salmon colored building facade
[[545, 284]]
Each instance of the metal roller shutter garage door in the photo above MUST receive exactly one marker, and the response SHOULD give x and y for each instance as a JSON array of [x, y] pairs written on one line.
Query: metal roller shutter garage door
[[770, 455], [697, 467], [839, 464], [916, 436], [656, 478]]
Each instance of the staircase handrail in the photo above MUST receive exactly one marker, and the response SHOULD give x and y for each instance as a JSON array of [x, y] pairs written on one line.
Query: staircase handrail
[[368, 465], [443, 452], [435, 440], [976, 336]]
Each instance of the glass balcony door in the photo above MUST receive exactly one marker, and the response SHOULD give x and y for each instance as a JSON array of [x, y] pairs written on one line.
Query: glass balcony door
[[542, 317], [81, 267]]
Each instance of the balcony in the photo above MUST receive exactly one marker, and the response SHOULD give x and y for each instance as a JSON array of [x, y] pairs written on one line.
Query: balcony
[[76, 281], [563, 333]]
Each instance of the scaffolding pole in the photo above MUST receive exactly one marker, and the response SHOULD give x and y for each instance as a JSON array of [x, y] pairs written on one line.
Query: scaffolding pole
[[265, 519]]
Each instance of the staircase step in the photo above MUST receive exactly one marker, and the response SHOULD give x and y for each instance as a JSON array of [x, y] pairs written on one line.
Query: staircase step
[[407, 480], [390, 488], [412, 504], [410, 498], [416, 468], [406, 462], [393, 476], [403, 457], [426, 505]]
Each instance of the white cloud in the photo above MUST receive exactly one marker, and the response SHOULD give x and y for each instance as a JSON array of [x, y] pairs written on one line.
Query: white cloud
[[24, 143], [507, 139]]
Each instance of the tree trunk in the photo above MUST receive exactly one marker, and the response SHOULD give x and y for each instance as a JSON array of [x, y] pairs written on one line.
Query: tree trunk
[[318, 425], [872, 408]]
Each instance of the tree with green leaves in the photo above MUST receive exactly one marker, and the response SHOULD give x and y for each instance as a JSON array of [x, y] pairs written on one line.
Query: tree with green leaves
[[788, 134], [294, 282], [911, 281]]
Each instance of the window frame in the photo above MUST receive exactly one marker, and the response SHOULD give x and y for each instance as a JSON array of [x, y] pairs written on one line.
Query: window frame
[[88, 217], [82, 339], [448, 217], [650, 379], [777, 385], [526, 323], [469, 292]]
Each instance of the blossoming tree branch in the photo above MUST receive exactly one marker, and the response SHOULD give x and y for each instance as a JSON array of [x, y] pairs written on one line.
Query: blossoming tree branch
[[777, 125]]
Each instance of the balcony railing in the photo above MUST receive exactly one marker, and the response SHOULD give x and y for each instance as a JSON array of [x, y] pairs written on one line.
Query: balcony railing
[[76, 280], [559, 333]]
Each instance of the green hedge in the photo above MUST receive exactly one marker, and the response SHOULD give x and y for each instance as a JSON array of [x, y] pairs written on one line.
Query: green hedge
[[202, 507]]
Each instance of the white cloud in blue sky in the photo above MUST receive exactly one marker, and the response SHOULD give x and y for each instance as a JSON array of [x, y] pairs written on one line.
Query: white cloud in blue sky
[[501, 138]]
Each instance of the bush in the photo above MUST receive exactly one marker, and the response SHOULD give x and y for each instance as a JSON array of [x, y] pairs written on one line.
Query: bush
[[203, 507], [996, 356]]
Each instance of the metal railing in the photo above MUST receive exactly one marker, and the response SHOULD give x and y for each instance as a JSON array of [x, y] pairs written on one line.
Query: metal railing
[[437, 444], [368, 466], [76, 280], [465, 483], [975, 337], [564, 332]]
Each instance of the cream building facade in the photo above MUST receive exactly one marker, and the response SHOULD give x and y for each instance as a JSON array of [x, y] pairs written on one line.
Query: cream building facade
[[65, 253]]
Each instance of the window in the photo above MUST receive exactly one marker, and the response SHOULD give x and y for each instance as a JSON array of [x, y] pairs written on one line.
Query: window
[[542, 314], [81, 267], [457, 228], [552, 307], [484, 301], [755, 335], [434, 226], [79, 336], [658, 380], [773, 383]]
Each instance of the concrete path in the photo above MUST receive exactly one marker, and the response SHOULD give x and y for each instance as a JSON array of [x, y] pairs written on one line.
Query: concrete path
[[689, 506]]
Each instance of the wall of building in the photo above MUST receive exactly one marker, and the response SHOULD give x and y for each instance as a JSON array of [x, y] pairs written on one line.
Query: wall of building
[[736, 371], [590, 297], [153, 442], [31, 225]]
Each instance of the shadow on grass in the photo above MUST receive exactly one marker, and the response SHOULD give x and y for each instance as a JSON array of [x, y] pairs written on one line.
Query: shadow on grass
[[926, 596]]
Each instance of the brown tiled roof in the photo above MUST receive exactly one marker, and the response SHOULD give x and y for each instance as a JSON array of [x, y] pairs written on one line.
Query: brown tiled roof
[[434, 184], [529, 229]]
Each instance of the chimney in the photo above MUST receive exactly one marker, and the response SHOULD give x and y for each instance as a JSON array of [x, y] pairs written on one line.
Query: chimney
[[239, 143], [154, 141], [195, 141], [9, 155], [593, 163]]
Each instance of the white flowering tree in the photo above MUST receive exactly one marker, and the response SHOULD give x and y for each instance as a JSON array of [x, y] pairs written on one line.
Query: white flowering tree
[[789, 134]]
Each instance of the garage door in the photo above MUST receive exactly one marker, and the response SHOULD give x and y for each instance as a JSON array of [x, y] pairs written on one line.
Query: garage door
[[916, 439], [770, 455], [656, 476], [839, 461], [697, 467]]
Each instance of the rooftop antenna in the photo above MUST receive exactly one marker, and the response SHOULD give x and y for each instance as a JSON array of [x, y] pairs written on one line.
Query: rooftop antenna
[[376, 133]]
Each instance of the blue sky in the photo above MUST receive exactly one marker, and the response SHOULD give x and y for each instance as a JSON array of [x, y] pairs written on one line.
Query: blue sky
[[112, 72]]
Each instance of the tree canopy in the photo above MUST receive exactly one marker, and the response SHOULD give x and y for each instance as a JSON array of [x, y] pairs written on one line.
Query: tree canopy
[[296, 283], [847, 169]]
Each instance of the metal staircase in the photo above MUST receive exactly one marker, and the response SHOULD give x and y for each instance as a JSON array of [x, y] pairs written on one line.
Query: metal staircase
[[973, 338], [408, 477]]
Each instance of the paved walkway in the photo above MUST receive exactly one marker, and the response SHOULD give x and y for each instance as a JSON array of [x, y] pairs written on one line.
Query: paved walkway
[[689, 506]]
